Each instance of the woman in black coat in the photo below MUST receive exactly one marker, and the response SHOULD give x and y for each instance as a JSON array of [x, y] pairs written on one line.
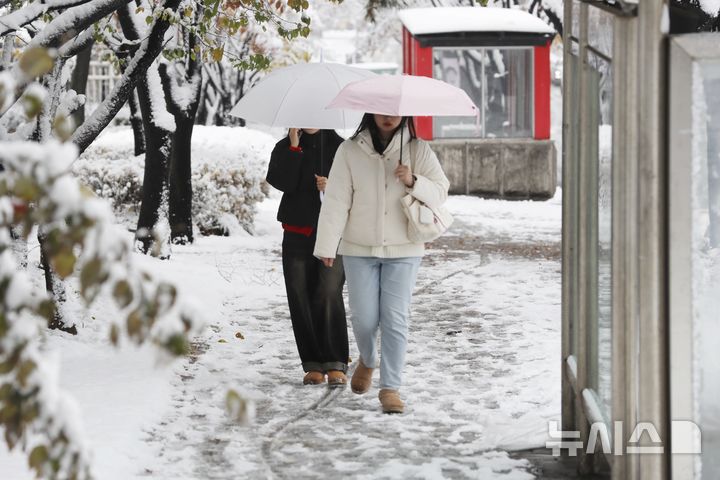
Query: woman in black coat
[[299, 165]]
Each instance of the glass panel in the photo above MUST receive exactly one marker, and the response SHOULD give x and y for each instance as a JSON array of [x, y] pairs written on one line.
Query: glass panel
[[508, 109], [575, 24], [499, 81], [600, 139], [575, 48], [604, 220], [462, 68], [706, 258], [600, 31]]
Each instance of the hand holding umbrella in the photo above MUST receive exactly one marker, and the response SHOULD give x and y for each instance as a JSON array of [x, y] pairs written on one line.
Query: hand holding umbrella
[[294, 136], [321, 183], [403, 174]]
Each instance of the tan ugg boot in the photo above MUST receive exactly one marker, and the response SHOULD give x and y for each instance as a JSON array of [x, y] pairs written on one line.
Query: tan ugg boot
[[314, 377], [390, 401], [361, 379], [336, 378]]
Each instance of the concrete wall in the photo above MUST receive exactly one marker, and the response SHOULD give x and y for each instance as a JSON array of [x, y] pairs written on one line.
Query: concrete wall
[[504, 168]]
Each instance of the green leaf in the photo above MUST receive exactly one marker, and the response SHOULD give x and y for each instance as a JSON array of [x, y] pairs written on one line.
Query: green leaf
[[46, 309], [8, 412], [25, 370], [26, 189], [134, 323], [6, 391], [37, 458], [62, 128], [217, 53], [90, 275], [122, 293], [114, 334], [36, 61], [64, 263], [177, 345]]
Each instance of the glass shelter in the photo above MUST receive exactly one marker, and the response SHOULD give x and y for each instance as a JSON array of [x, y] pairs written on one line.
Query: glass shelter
[[641, 239]]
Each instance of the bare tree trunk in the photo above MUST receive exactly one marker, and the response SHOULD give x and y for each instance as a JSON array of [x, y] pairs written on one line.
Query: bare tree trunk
[[180, 182], [180, 178], [78, 81], [137, 124], [158, 145], [55, 288], [53, 284], [202, 112]]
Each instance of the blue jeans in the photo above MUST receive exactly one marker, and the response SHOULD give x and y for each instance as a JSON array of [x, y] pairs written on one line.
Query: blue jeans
[[380, 290]]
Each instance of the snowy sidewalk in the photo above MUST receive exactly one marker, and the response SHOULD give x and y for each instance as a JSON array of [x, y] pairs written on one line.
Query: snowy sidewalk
[[481, 370], [481, 375]]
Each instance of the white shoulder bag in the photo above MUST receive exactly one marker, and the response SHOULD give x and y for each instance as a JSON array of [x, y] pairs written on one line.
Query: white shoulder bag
[[425, 224]]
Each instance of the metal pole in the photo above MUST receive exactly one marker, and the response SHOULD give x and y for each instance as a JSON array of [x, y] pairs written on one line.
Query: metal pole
[[585, 464], [625, 242], [652, 233], [569, 186]]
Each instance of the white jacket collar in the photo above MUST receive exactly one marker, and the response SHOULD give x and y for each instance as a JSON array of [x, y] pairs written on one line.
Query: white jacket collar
[[364, 140]]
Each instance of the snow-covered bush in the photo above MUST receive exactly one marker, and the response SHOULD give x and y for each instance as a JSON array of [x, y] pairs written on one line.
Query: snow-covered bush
[[229, 166], [224, 197]]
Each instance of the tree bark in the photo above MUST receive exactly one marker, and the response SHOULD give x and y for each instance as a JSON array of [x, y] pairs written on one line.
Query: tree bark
[[55, 288], [158, 145], [53, 284], [180, 178], [78, 81], [137, 124], [180, 182], [158, 142]]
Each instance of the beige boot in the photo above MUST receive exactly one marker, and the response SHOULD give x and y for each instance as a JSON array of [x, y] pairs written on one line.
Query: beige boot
[[336, 378], [314, 378], [390, 401], [361, 379]]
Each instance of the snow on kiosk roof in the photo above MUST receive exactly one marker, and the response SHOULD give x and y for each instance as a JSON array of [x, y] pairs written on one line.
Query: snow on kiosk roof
[[474, 25]]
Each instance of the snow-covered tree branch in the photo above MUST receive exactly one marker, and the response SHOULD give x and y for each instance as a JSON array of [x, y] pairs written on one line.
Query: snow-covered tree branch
[[29, 13]]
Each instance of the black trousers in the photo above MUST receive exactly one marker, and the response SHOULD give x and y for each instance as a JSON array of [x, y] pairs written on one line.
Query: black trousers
[[317, 310]]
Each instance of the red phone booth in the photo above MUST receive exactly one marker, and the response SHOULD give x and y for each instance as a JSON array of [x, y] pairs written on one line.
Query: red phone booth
[[501, 58]]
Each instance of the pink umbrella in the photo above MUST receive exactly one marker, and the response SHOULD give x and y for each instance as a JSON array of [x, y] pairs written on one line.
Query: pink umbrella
[[406, 96]]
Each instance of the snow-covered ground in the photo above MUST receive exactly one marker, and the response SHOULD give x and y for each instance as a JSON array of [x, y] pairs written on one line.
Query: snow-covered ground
[[481, 375]]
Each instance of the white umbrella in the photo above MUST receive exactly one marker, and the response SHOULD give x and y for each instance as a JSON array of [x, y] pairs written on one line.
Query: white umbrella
[[296, 96]]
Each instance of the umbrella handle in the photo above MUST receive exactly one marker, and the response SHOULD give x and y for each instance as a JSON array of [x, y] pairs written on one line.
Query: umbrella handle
[[322, 166]]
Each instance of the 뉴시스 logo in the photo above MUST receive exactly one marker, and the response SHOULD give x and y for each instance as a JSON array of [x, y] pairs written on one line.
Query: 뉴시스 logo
[[686, 439]]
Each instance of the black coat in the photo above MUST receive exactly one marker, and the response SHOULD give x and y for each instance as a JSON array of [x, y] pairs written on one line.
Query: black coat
[[293, 173]]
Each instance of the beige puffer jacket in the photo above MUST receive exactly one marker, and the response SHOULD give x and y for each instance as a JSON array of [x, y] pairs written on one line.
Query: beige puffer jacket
[[362, 198]]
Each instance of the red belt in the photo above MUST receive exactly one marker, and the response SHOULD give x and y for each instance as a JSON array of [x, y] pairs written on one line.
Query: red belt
[[307, 231]]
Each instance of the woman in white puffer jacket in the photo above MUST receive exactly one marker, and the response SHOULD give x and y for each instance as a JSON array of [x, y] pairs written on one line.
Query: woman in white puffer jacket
[[362, 219]]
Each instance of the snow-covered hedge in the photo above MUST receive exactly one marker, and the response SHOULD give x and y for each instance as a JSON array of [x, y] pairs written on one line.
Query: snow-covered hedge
[[229, 166]]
